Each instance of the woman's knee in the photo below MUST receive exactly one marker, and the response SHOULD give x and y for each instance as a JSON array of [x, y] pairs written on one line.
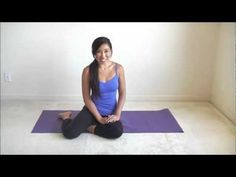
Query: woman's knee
[[70, 134], [116, 133]]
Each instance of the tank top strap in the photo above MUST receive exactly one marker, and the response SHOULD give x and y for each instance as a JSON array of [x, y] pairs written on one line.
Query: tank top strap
[[116, 68]]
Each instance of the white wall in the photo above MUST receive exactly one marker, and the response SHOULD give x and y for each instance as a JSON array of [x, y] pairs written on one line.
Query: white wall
[[223, 87], [163, 61]]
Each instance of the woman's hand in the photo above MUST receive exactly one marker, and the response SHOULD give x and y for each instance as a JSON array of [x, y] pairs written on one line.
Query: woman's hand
[[113, 118], [103, 120], [109, 119]]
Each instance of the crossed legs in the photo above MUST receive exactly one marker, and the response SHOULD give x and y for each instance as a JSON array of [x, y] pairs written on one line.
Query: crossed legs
[[86, 121]]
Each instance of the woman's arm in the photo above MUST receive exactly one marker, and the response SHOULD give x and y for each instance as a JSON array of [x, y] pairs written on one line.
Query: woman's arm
[[87, 98], [122, 91]]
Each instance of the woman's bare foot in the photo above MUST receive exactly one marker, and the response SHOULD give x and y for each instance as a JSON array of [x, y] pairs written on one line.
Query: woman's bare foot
[[65, 115], [91, 129]]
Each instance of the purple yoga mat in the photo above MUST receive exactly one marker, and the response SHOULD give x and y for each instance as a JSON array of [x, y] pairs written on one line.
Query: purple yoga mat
[[161, 121]]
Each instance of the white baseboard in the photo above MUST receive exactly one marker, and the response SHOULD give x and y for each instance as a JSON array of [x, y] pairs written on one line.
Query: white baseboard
[[229, 114], [128, 98], [165, 98], [42, 98]]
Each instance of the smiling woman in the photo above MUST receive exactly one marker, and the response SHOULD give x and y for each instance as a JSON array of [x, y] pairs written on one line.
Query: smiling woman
[[100, 82]]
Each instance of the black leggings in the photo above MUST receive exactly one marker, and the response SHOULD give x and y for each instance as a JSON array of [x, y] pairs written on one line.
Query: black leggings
[[73, 128]]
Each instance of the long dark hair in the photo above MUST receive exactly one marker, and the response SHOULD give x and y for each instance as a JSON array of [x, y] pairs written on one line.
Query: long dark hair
[[93, 67]]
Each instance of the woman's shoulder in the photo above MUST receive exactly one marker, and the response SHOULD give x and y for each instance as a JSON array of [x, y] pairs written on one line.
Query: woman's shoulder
[[118, 65], [120, 68], [86, 70]]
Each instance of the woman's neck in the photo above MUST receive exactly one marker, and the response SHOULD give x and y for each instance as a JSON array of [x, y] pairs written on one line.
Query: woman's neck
[[105, 65]]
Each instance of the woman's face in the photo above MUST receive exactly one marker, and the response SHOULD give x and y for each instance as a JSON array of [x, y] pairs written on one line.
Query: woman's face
[[103, 53]]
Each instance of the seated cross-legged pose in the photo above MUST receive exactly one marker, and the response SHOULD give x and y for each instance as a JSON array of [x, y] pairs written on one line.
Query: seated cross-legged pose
[[100, 82]]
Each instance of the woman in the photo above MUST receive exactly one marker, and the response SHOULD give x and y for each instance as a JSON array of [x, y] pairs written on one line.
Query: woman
[[100, 82]]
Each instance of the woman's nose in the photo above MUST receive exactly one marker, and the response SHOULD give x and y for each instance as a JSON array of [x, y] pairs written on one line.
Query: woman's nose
[[103, 54]]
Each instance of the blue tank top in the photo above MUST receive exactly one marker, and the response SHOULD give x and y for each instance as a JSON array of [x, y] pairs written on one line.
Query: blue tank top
[[106, 102]]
